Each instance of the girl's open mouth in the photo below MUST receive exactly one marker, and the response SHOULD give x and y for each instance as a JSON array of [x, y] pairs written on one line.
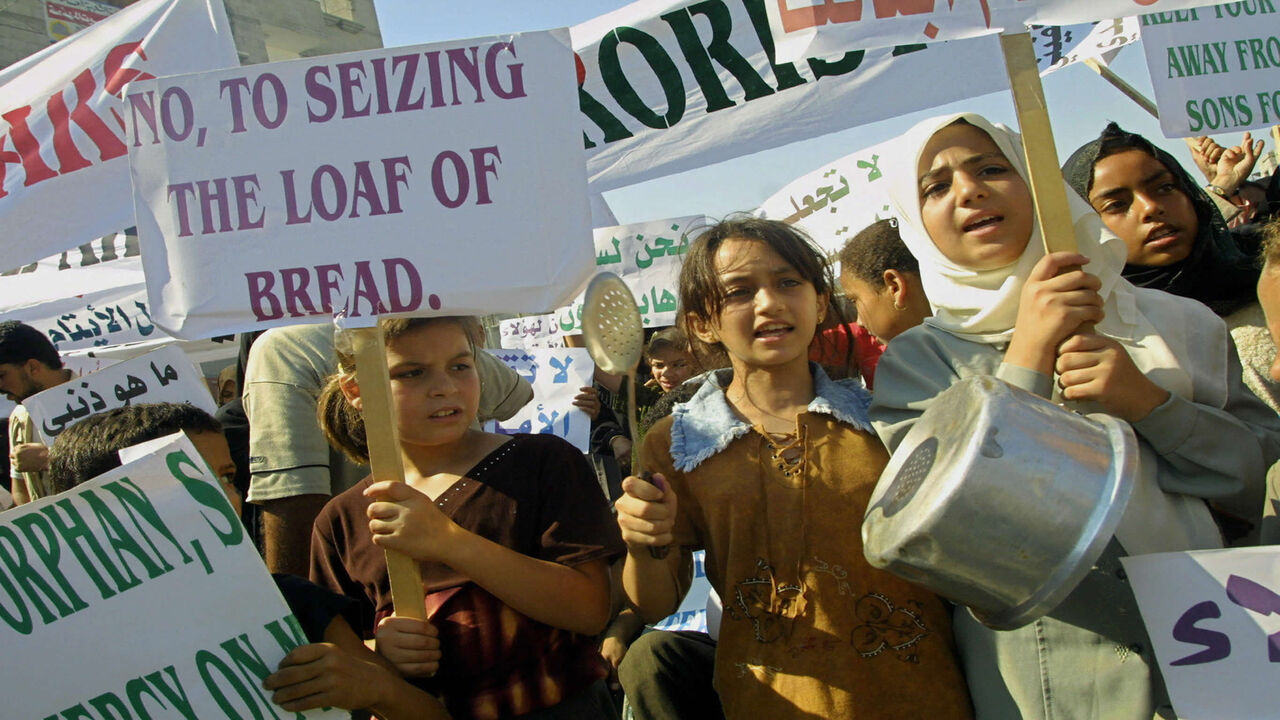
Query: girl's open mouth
[[980, 223]]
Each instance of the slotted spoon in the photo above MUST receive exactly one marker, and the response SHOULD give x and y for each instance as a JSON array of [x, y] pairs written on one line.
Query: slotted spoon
[[614, 336]]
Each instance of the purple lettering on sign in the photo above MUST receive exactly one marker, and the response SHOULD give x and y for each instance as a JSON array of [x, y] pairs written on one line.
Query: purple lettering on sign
[[181, 191], [237, 88], [278, 97], [260, 284], [1260, 599], [167, 120], [461, 181], [295, 281], [412, 280], [480, 158], [1217, 645], [246, 187], [516, 75], [328, 278], [351, 79], [321, 93]]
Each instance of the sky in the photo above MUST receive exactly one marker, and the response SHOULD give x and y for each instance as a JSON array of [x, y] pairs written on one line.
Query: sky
[[1080, 103]]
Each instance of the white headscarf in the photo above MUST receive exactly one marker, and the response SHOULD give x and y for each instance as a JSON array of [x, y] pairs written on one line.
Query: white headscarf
[[982, 305]]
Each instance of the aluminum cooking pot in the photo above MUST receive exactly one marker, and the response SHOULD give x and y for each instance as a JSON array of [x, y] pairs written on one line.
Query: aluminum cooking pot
[[1000, 500]]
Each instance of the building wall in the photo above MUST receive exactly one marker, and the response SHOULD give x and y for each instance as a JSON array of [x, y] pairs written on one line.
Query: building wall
[[264, 30]]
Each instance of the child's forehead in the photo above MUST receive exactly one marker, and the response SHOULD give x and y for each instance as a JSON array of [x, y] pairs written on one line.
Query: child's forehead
[[739, 255], [668, 354]]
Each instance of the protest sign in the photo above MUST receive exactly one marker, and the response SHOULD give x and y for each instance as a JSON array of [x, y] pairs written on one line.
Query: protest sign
[[443, 179], [63, 18], [1215, 70], [164, 375], [536, 331], [92, 296], [149, 568], [646, 255], [671, 85], [837, 200], [1214, 621], [1058, 47], [556, 374], [821, 28], [64, 176]]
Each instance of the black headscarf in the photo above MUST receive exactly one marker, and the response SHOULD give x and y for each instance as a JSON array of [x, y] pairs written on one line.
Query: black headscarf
[[1221, 271]]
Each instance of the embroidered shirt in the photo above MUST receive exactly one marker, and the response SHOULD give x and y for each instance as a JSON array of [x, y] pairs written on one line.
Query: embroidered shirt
[[810, 629]]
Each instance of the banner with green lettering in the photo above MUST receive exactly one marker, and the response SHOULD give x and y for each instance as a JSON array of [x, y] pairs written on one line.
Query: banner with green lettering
[[671, 85], [138, 595], [1215, 69]]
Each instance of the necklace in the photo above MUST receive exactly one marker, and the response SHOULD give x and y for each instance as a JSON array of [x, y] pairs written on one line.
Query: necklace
[[790, 422]]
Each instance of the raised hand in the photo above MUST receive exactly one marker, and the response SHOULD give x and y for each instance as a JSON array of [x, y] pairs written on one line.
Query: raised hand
[[1057, 298], [407, 521], [1094, 367], [646, 512], [413, 646]]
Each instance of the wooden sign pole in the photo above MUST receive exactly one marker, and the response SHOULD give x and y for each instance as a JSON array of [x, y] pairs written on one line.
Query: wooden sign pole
[[1049, 194], [385, 459], [1129, 91]]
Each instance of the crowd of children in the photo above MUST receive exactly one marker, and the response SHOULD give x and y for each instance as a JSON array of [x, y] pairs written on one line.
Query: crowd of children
[[768, 423]]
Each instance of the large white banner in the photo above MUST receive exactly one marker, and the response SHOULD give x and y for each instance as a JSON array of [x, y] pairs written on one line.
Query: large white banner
[[556, 374], [89, 297], [443, 178], [1214, 621], [818, 28], [1215, 70], [671, 85], [64, 176], [164, 375], [139, 594]]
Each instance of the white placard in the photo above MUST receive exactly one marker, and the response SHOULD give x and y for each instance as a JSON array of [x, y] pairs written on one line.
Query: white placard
[[838, 199], [819, 28], [69, 178], [89, 297], [431, 179], [146, 593], [646, 255], [535, 331], [556, 374], [1058, 47], [1215, 70], [1214, 620], [164, 375], [672, 85]]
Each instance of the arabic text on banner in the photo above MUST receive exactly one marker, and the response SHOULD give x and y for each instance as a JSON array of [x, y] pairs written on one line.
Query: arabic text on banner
[[821, 28], [555, 374], [163, 375]]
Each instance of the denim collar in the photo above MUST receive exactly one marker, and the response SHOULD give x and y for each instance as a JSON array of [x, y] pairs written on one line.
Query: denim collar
[[707, 424]]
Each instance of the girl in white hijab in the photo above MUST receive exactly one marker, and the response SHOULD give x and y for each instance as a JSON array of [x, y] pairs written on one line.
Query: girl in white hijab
[[1004, 308]]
